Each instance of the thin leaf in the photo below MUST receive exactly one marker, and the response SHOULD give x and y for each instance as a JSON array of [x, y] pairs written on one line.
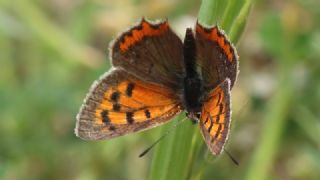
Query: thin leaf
[[231, 12], [240, 22], [172, 158], [275, 121], [211, 11]]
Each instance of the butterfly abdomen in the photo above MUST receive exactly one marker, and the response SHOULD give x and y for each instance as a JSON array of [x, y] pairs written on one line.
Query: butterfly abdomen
[[192, 92]]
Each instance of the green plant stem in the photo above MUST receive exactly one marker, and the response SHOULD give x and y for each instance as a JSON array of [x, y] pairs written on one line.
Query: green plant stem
[[308, 122], [231, 11], [172, 158], [240, 22], [211, 10], [274, 124]]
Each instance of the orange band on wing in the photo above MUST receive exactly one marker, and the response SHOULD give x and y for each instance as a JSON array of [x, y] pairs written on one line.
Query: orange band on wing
[[214, 34], [142, 30], [151, 95], [134, 101]]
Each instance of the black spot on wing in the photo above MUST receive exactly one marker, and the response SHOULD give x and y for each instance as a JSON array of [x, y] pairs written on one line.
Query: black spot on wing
[[220, 108], [207, 119], [105, 116], [147, 113], [112, 128], [218, 119], [211, 124], [116, 107], [129, 117], [219, 99], [129, 89], [115, 96], [217, 133]]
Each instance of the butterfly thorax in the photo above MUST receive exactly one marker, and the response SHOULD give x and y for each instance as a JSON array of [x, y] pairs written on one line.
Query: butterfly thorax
[[192, 92], [192, 85]]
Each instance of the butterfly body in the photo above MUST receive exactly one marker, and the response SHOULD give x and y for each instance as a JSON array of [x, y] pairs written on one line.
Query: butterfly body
[[192, 84], [155, 76]]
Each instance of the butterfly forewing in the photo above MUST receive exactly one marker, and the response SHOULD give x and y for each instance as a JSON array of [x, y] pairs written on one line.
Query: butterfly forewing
[[119, 104], [152, 52], [216, 56], [215, 117]]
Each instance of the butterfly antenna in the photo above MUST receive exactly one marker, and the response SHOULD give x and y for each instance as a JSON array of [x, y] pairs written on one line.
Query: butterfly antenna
[[163, 136], [231, 157]]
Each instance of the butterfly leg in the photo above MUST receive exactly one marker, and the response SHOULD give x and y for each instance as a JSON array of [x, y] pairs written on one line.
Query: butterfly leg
[[194, 116]]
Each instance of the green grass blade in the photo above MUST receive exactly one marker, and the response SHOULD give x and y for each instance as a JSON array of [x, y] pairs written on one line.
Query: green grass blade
[[211, 11], [172, 159], [230, 14], [308, 122], [161, 155], [240, 22], [275, 122]]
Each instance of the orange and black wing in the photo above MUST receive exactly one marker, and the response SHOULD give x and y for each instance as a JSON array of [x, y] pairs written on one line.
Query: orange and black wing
[[150, 51], [119, 104], [216, 56], [215, 117]]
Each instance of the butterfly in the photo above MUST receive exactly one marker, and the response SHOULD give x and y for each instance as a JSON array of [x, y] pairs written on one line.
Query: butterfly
[[155, 76]]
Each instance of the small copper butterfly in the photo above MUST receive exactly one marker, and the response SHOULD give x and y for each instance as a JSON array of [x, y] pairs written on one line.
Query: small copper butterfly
[[155, 76]]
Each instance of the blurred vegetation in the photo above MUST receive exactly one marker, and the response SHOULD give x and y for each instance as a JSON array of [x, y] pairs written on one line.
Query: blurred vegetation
[[51, 52]]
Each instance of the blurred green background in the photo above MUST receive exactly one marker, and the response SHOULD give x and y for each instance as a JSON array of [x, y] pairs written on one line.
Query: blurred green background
[[51, 52]]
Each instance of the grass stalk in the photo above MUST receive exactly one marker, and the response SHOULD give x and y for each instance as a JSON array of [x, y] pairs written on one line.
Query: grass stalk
[[240, 22], [274, 123]]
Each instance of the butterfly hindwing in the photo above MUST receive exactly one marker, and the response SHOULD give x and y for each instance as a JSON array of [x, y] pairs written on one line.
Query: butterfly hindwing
[[215, 117], [120, 104], [216, 56], [150, 51]]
